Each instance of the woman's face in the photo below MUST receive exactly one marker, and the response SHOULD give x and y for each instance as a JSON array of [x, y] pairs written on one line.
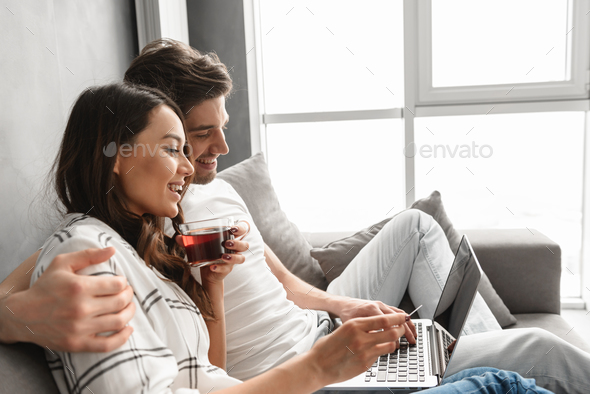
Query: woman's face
[[151, 171]]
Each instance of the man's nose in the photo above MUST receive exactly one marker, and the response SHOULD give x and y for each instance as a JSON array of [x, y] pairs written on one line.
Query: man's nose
[[218, 145]]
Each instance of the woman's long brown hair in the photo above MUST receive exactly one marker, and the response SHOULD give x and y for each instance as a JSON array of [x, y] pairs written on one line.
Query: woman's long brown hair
[[102, 119]]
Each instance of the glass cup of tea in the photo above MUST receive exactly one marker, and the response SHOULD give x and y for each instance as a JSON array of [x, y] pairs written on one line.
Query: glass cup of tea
[[204, 240]]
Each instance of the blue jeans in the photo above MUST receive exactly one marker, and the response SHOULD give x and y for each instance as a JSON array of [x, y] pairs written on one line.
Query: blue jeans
[[482, 380], [489, 381]]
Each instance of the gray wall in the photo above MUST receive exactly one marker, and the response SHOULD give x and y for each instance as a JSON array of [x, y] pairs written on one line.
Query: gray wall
[[51, 51], [218, 25]]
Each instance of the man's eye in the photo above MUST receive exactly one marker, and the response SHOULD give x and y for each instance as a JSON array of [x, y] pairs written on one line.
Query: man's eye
[[201, 135]]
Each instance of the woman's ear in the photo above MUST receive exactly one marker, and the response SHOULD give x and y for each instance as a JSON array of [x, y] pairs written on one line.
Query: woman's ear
[[116, 168]]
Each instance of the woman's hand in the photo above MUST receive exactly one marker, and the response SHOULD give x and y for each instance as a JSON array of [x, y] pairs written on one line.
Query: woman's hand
[[356, 345], [213, 275]]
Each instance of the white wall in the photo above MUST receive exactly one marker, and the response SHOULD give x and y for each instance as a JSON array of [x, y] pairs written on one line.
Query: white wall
[[50, 52]]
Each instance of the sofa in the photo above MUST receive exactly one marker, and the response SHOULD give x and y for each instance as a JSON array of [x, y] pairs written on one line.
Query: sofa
[[522, 267], [525, 271]]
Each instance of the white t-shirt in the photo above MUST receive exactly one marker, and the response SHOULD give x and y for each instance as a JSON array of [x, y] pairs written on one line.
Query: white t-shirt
[[264, 328], [168, 349]]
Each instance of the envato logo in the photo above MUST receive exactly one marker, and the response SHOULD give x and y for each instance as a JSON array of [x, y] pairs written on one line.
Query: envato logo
[[464, 151], [128, 150]]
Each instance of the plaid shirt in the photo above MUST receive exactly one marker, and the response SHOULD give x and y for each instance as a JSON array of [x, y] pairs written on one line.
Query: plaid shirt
[[167, 352]]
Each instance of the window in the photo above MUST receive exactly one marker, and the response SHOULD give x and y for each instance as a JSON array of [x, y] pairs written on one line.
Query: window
[[337, 175], [501, 51], [509, 171], [494, 47], [327, 56], [497, 90], [331, 104]]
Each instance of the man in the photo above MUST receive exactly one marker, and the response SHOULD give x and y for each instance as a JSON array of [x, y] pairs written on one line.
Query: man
[[264, 328]]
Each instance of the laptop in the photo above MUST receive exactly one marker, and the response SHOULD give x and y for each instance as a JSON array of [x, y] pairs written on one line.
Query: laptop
[[424, 365]]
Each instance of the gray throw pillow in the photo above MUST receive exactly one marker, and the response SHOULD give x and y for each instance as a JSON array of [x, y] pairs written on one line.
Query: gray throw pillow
[[433, 206], [252, 181], [335, 256]]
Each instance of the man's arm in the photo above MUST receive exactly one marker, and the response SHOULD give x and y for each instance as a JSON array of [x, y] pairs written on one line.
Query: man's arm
[[301, 293], [305, 295], [19, 279], [64, 311]]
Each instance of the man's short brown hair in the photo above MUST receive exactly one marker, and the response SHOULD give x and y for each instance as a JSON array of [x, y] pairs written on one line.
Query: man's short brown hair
[[186, 75]]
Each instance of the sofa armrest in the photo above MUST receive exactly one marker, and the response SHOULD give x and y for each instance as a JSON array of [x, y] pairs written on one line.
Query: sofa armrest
[[523, 266]]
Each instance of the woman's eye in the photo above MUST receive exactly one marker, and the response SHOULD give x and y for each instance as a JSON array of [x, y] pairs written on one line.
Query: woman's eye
[[173, 152]]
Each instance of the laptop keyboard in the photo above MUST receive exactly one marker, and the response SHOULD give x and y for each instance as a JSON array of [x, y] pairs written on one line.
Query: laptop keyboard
[[404, 365], [447, 339]]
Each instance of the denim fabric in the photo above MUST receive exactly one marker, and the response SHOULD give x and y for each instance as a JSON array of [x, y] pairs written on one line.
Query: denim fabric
[[489, 381], [481, 380]]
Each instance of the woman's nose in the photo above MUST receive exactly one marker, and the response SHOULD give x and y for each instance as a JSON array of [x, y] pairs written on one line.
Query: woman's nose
[[185, 168]]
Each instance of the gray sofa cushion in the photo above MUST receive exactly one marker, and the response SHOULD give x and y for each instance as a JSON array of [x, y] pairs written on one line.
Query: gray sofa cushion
[[553, 323], [335, 256], [251, 180], [433, 206], [23, 369]]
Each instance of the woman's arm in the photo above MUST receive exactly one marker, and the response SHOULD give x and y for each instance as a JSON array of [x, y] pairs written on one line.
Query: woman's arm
[[212, 281], [147, 361], [216, 327], [356, 345], [61, 308]]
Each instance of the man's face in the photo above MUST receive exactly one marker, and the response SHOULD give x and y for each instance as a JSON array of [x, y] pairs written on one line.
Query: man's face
[[204, 125]]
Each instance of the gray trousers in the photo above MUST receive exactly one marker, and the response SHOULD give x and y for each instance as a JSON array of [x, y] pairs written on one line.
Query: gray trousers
[[411, 253], [532, 352]]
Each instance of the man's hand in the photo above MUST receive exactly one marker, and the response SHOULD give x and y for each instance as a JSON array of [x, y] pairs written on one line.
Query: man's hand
[[64, 311], [351, 308]]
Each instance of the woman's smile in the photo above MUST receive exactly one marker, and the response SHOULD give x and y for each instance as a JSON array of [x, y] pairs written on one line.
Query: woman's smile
[[175, 189]]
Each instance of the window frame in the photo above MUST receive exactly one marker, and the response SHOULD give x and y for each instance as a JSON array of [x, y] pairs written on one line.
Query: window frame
[[576, 88]]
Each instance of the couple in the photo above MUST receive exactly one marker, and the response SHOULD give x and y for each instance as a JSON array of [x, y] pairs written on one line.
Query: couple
[[176, 336]]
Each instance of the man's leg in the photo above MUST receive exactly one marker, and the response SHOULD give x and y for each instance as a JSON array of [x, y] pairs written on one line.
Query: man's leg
[[476, 381], [488, 381], [532, 352], [410, 252]]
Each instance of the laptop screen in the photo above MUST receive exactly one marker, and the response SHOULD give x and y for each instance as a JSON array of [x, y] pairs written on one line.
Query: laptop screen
[[459, 291]]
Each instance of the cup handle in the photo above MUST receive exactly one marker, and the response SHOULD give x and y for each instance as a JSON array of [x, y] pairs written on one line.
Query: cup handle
[[247, 232]]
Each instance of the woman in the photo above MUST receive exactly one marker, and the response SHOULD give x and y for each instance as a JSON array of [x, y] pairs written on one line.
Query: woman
[[121, 169]]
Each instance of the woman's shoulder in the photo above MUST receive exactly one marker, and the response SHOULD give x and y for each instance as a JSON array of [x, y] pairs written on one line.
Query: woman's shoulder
[[78, 227], [78, 232]]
